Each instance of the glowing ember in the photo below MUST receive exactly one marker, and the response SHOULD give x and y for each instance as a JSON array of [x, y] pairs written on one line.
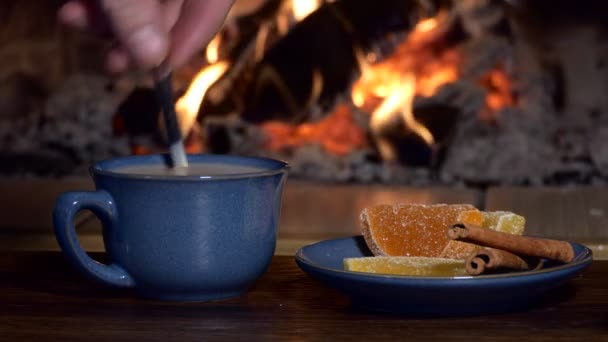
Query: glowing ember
[[337, 133], [499, 96], [187, 106]]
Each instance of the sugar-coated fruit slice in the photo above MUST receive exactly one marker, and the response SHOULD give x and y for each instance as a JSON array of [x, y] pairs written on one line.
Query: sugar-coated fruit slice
[[504, 221], [458, 249], [410, 229], [412, 266]]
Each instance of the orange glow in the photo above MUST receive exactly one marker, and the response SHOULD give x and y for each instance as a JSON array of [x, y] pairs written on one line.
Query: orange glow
[[499, 94], [437, 72], [337, 133]]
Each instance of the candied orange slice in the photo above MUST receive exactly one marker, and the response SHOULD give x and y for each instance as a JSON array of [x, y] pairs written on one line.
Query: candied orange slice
[[411, 229], [504, 221], [413, 266]]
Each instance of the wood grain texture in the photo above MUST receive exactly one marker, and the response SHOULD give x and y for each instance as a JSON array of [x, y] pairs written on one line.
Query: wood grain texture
[[42, 298]]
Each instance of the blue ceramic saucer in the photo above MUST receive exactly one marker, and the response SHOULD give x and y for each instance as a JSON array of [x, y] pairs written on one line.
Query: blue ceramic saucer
[[434, 296]]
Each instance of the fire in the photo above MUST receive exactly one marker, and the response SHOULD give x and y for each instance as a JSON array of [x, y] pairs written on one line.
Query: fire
[[188, 105], [337, 133], [426, 24], [212, 52], [435, 73], [302, 8], [387, 88], [420, 65], [375, 82]]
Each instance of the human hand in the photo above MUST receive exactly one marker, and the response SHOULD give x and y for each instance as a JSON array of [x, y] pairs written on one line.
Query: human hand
[[148, 32]]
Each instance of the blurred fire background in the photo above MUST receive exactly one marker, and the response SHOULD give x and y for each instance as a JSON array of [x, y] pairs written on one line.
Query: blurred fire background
[[472, 92]]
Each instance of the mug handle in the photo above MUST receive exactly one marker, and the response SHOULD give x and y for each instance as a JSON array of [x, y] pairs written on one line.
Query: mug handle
[[102, 204]]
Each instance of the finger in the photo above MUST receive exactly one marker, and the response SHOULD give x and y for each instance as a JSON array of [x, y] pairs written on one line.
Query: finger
[[85, 15], [140, 29], [74, 14], [171, 10], [198, 23], [117, 60]]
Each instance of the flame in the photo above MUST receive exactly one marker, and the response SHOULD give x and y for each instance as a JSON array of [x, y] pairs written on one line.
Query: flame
[[302, 8], [426, 25], [212, 52], [188, 105], [437, 72], [378, 82], [400, 101], [387, 88]]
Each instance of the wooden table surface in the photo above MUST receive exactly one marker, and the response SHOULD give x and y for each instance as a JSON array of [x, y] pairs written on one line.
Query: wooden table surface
[[42, 298]]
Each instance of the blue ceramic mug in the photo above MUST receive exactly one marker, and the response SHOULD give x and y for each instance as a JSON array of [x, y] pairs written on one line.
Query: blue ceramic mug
[[194, 237]]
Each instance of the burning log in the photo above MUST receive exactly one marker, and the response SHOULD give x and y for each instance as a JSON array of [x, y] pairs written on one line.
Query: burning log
[[240, 42], [272, 90], [322, 47]]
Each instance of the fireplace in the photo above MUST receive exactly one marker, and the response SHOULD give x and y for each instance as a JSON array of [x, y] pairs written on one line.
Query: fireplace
[[420, 92]]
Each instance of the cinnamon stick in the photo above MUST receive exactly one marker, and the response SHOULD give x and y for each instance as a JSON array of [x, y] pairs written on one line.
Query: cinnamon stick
[[516, 244], [490, 259]]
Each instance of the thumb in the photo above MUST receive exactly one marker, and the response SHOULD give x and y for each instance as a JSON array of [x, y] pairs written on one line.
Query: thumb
[[139, 27]]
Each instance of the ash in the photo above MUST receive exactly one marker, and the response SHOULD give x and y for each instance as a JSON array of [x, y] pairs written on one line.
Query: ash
[[70, 131]]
